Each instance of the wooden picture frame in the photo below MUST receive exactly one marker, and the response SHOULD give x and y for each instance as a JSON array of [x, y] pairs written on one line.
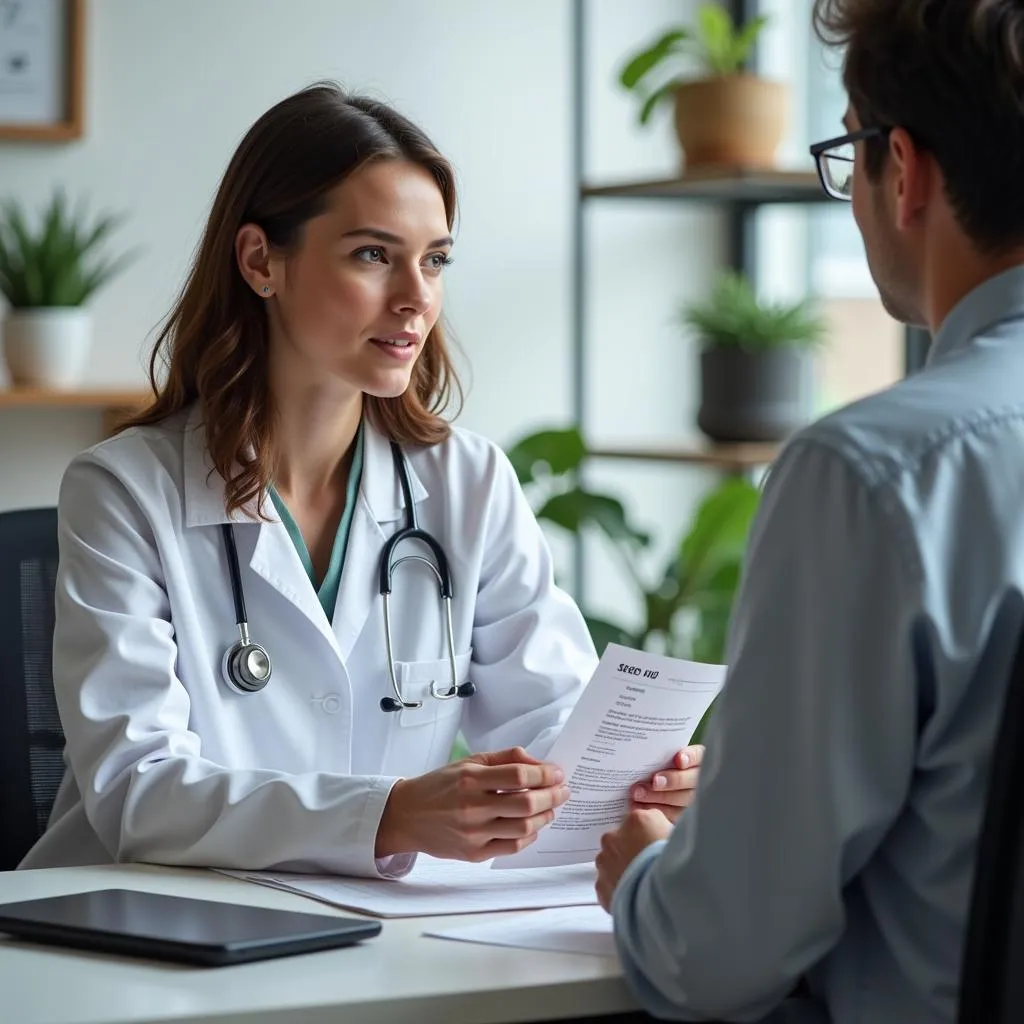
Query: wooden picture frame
[[44, 41]]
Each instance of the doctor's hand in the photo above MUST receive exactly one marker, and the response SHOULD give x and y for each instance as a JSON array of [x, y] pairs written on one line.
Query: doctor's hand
[[480, 807], [619, 848], [672, 789]]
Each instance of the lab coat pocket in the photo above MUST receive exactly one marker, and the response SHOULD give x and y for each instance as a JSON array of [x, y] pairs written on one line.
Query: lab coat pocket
[[428, 732]]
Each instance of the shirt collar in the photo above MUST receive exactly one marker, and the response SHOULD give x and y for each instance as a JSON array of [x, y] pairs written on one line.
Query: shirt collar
[[999, 298]]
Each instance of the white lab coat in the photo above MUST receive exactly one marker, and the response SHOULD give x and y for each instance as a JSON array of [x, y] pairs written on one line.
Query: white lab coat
[[167, 765]]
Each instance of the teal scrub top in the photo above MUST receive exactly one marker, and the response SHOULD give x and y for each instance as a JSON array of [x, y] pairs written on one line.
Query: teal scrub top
[[327, 591]]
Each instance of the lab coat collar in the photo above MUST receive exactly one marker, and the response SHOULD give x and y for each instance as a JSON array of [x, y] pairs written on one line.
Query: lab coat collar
[[203, 486], [381, 488], [205, 493]]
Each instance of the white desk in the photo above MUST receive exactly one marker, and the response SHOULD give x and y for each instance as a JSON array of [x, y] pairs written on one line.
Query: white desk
[[398, 976]]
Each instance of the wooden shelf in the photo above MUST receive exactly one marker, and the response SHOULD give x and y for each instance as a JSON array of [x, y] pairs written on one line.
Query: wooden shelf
[[730, 457], [43, 398], [114, 404], [721, 184]]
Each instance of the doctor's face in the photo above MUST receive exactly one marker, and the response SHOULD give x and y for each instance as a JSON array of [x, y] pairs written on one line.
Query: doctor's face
[[358, 297]]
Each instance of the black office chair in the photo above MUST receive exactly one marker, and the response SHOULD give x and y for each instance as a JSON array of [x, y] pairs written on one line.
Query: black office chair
[[31, 738], [992, 979]]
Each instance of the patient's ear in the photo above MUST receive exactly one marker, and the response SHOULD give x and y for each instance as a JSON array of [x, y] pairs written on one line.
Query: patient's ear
[[916, 176]]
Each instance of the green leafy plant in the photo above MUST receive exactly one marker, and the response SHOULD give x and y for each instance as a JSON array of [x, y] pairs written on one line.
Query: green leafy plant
[[716, 43], [59, 264], [734, 316], [686, 607]]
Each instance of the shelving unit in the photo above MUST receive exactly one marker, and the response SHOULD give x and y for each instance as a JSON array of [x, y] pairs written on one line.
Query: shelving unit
[[730, 458], [721, 184], [739, 191]]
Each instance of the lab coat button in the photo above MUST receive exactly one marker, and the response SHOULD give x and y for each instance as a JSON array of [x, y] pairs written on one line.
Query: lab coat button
[[330, 704]]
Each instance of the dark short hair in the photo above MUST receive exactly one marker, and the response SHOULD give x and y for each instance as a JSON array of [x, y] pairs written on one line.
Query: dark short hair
[[950, 72]]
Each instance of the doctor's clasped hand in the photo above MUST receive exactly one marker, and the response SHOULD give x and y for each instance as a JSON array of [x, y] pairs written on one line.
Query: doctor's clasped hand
[[486, 805]]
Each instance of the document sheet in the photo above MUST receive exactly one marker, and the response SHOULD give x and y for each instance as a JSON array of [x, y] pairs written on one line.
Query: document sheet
[[440, 887], [636, 712], [560, 930]]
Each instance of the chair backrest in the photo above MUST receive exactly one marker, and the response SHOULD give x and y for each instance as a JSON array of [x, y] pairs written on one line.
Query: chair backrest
[[992, 979], [31, 738]]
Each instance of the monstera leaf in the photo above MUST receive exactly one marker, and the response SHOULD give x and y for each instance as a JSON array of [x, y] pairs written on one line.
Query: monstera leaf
[[576, 508], [718, 536], [553, 451]]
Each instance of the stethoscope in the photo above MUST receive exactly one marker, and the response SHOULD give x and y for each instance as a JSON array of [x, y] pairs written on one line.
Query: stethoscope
[[247, 666]]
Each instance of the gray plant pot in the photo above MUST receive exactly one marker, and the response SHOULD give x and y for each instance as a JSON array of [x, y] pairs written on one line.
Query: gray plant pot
[[754, 396]]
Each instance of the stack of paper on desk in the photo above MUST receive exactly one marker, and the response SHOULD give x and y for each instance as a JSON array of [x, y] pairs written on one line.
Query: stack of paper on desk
[[441, 887], [560, 930], [636, 712]]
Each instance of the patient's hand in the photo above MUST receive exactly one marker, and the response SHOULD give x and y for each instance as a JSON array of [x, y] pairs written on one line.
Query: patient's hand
[[672, 790], [619, 848]]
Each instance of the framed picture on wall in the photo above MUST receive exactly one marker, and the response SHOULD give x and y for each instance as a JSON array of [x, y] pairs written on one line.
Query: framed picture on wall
[[41, 69]]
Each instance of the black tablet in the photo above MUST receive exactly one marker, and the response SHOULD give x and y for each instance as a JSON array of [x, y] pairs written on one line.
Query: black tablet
[[177, 928]]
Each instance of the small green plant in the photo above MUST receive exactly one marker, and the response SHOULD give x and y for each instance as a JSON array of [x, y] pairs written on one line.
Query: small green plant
[[734, 316], [686, 607], [717, 44], [58, 264]]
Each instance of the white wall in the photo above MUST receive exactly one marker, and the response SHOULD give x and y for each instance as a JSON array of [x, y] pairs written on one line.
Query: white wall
[[171, 88]]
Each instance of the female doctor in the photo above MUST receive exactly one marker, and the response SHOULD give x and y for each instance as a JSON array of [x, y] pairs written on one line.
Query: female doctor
[[247, 673]]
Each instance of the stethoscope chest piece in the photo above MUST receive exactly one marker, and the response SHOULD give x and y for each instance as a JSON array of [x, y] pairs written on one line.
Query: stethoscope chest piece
[[247, 667]]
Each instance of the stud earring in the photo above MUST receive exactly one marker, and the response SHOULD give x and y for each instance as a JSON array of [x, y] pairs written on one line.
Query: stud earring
[[266, 289]]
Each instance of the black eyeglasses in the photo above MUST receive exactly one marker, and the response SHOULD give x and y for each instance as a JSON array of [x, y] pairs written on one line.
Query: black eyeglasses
[[834, 160]]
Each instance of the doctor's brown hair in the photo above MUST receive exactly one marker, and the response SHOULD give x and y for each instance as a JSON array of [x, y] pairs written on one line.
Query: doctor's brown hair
[[214, 342], [951, 73]]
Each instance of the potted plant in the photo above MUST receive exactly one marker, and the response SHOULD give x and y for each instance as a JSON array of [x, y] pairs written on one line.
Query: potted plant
[[724, 115], [756, 362], [685, 607], [46, 276]]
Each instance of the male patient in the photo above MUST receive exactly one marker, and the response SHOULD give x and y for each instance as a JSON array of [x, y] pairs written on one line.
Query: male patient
[[834, 832]]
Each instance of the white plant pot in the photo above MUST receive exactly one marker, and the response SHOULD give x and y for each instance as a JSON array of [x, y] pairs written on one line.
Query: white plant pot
[[47, 347]]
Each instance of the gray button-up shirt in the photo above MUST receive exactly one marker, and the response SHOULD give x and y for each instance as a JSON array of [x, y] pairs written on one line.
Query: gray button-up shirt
[[834, 832]]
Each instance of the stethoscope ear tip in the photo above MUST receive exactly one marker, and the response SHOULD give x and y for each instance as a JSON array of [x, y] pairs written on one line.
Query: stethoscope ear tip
[[389, 704], [466, 690]]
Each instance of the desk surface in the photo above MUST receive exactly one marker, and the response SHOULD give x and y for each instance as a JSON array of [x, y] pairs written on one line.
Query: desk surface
[[398, 976]]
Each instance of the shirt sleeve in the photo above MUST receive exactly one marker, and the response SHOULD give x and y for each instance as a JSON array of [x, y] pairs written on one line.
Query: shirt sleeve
[[810, 753], [532, 651]]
